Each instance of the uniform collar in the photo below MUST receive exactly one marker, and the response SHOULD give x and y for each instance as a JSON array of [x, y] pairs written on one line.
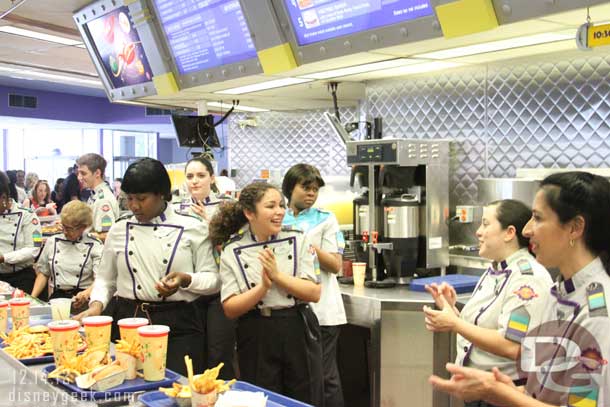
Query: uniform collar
[[582, 277], [304, 212], [162, 218], [502, 267], [11, 209], [208, 199], [248, 232], [99, 188]]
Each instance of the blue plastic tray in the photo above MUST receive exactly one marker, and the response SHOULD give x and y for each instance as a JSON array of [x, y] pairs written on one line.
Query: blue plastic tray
[[33, 361], [128, 386], [159, 399], [461, 283]]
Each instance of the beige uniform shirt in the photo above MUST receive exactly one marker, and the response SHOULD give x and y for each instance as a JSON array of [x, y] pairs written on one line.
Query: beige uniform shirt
[[506, 300], [70, 264], [566, 357], [105, 208], [241, 270], [20, 238], [137, 255]]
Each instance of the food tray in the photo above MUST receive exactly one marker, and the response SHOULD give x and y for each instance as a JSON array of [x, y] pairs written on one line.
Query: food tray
[[159, 399], [128, 386], [462, 283], [41, 359]]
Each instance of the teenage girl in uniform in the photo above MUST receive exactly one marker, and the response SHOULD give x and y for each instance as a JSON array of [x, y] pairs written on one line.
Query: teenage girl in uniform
[[566, 357], [505, 302], [269, 275]]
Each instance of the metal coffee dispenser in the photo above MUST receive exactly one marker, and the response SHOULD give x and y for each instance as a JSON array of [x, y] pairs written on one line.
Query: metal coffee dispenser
[[407, 228]]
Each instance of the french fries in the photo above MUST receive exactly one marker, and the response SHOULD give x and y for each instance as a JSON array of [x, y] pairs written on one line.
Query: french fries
[[29, 342], [81, 364], [177, 390], [134, 348], [207, 381]]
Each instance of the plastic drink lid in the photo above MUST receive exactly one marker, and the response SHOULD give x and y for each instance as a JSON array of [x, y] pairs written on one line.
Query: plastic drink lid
[[17, 302], [98, 320], [152, 331], [65, 325], [132, 323]]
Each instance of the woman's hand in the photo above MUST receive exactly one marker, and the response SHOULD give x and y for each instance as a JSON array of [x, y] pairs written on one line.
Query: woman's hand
[[82, 298], [267, 259], [444, 320], [199, 208], [466, 383], [169, 284], [95, 308], [449, 293]]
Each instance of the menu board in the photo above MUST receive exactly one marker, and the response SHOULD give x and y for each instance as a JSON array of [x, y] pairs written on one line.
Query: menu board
[[119, 48], [319, 20], [204, 34]]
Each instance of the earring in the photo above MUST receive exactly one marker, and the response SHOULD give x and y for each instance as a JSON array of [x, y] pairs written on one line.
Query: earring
[[571, 242]]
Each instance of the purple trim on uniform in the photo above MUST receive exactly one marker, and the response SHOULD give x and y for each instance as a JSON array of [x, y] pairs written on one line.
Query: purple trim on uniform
[[53, 262], [133, 278], [555, 293], [241, 267], [294, 257], [80, 274], [265, 242], [171, 258], [569, 286], [82, 269], [20, 215], [163, 217]]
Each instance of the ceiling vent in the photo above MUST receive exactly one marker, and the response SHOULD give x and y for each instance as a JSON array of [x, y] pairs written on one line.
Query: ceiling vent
[[153, 111], [28, 102]]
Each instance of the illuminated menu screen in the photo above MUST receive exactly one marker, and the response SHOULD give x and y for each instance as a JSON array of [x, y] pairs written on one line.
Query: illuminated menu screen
[[204, 34], [319, 20], [119, 49]]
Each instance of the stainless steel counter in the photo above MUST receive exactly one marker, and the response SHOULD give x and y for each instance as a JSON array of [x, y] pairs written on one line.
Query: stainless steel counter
[[402, 354]]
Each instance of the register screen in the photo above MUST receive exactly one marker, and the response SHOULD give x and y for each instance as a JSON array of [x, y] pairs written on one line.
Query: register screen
[[204, 34], [318, 20]]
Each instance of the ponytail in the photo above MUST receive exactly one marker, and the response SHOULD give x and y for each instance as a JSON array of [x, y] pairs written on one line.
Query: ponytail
[[227, 221]]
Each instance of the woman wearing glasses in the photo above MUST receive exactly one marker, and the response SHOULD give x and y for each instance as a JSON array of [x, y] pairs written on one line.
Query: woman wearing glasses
[[20, 240], [70, 259]]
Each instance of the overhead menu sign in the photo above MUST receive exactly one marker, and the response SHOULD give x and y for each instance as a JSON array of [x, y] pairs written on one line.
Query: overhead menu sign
[[204, 34], [319, 20]]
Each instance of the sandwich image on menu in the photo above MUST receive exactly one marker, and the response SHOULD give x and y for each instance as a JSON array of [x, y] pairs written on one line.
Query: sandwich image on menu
[[310, 18]]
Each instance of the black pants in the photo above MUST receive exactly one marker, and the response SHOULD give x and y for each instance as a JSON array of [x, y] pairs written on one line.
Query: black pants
[[219, 340], [59, 293], [185, 329], [333, 393], [282, 353], [24, 280]]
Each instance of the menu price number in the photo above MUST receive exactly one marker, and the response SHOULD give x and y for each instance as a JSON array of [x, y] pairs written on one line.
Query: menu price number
[[590, 36]]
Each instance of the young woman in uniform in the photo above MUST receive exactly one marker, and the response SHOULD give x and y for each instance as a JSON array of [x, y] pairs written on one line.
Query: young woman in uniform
[[219, 339], [156, 261], [566, 357], [505, 302], [301, 185], [70, 259], [20, 240], [269, 275]]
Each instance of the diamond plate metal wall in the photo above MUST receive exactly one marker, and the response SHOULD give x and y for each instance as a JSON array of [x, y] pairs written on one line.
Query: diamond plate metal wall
[[282, 139]]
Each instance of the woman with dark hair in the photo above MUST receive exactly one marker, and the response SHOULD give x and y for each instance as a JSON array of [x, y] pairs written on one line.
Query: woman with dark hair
[[12, 186], [56, 194], [156, 261], [565, 358], [20, 240], [269, 275], [505, 303], [301, 185], [203, 203]]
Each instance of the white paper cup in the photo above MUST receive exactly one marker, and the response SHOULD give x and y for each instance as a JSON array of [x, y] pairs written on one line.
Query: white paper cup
[[153, 339], [127, 362], [60, 308], [64, 338], [203, 399], [359, 272], [97, 332], [3, 316], [20, 312]]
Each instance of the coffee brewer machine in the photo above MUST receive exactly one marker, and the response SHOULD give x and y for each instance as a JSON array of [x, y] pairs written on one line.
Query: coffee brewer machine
[[408, 206]]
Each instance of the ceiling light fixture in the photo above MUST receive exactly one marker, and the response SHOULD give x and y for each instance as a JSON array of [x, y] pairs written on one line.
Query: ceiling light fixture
[[9, 29], [242, 108], [278, 83], [501, 45], [43, 75], [353, 70]]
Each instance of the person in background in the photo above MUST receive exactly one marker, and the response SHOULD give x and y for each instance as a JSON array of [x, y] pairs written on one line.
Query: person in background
[[30, 182], [156, 262], [224, 184], [71, 188], [301, 185], [41, 199], [20, 184], [219, 341], [56, 194], [269, 276], [70, 259], [13, 192], [20, 240], [565, 358], [120, 195], [506, 301], [91, 168]]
